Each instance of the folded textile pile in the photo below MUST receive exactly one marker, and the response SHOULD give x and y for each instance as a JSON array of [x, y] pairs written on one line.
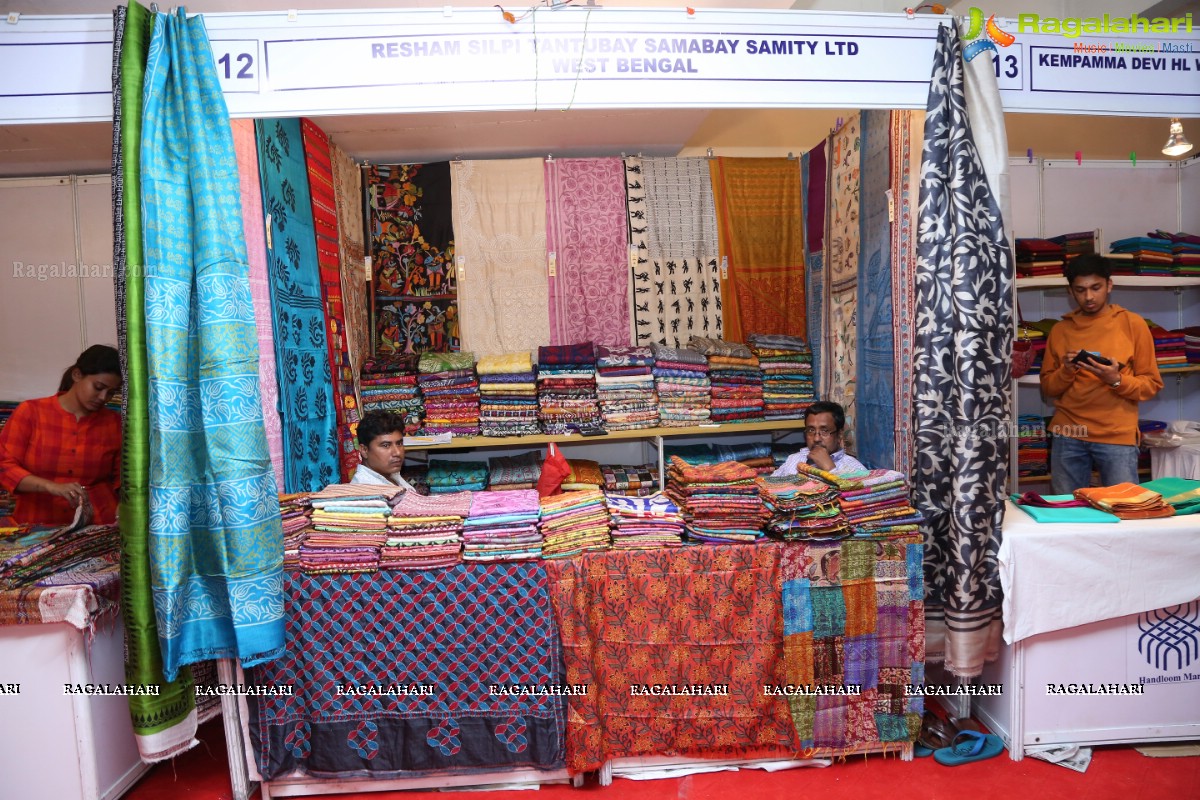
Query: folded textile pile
[[1185, 252], [625, 387], [514, 472], [508, 404], [786, 363], [735, 379], [389, 383], [566, 388], [1150, 255], [30, 557], [682, 383], [802, 508], [425, 532], [451, 393], [756, 455], [1127, 501], [644, 523], [633, 481], [584, 474], [1191, 338], [574, 523], [1039, 257], [878, 506], [8, 502], [503, 526], [1181, 494], [1075, 244], [1033, 450], [720, 502], [447, 476], [1170, 349], [295, 511], [348, 527]]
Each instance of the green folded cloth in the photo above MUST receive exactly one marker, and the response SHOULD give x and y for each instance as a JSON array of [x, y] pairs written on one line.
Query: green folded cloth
[[1181, 494]]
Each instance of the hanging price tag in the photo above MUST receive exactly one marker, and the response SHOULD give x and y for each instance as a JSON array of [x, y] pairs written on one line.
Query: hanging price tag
[[724, 268], [367, 269], [460, 263], [633, 257], [552, 263], [269, 245], [891, 206]]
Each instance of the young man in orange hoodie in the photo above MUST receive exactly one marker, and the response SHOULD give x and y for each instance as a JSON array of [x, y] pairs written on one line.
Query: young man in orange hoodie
[[1099, 364]]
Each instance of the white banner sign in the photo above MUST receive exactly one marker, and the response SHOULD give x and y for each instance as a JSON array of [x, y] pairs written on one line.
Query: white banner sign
[[59, 68]]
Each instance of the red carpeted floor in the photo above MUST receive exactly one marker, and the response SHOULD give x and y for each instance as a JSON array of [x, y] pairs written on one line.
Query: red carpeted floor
[[1115, 772]]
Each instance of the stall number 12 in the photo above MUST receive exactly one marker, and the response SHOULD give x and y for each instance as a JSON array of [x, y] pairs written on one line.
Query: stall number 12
[[245, 60]]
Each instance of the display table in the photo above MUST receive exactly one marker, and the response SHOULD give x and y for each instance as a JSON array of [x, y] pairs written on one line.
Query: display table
[[1096, 609], [730, 619], [52, 743]]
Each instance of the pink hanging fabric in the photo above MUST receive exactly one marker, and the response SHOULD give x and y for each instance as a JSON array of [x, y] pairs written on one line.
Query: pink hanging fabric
[[246, 148], [586, 230]]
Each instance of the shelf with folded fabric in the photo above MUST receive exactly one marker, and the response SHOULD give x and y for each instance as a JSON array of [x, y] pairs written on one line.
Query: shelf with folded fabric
[[1059, 282], [467, 442]]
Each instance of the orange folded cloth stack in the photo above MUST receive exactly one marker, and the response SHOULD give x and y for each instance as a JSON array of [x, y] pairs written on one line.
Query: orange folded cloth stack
[[1127, 501]]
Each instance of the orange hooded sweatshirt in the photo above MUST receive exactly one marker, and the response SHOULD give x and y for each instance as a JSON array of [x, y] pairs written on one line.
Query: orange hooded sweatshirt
[[1085, 407]]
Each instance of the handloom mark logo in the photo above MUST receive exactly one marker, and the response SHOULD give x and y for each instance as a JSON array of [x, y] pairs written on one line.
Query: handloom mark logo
[[994, 35], [1170, 631]]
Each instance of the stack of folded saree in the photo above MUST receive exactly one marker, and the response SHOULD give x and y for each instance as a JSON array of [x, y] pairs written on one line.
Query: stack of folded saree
[[349, 526], [1127, 501], [514, 472], [508, 403], [32, 554], [503, 526], [425, 532], [451, 393], [644, 523], [1151, 255], [1033, 448], [1037, 257], [445, 476], [802, 508], [736, 379], [584, 474], [625, 387], [756, 455], [683, 386], [720, 502], [876, 504], [1170, 349], [566, 388], [295, 511], [389, 383], [636, 480], [574, 523], [786, 363], [1185, 253]]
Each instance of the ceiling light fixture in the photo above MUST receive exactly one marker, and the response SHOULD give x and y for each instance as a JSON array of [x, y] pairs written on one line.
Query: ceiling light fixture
[[1177, 144]]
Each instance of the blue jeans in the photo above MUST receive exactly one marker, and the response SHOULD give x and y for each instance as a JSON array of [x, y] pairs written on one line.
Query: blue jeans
[[1072, 460]]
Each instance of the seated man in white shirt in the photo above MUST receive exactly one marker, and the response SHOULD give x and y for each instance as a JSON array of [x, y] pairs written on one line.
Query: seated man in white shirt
[[823, 425], [381, 448]]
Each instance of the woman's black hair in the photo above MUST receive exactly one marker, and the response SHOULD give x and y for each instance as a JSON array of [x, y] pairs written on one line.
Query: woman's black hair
[[99, 359]]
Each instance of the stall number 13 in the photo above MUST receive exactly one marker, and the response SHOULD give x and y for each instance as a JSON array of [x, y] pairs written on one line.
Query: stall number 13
[[242, 63], [1010, 65]]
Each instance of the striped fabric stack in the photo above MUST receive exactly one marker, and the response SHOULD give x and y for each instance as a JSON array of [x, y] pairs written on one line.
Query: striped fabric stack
[[295, 512], [736, 379], [425, 532], [681, 380], [625, 387], [636, 480], [644, 523], [566, 388], [389, 383], [876, 503], [508, 403], [503, 526], [514, 472], [786, 363], [802, 508], [445, 476], [574, 523], [451, 393], [1033, 449], [720, 502], [1170, 349], [349, 526]]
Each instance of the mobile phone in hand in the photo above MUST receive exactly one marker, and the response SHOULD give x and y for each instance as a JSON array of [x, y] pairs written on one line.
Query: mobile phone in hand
[[1095, 358]]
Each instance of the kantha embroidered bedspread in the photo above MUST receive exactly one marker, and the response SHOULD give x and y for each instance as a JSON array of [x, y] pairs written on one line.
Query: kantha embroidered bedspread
[[853, 616], [637, 625], [446, 636]]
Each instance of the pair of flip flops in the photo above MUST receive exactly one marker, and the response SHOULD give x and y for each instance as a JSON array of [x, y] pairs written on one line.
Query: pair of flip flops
[[953, 741]]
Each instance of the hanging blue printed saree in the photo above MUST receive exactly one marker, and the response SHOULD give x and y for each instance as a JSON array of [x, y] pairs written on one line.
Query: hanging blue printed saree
[[216, 543]]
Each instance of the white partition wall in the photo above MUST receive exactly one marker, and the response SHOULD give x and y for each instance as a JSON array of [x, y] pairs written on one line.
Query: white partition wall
[[1117, 197], [1189, 196], [56, 287]]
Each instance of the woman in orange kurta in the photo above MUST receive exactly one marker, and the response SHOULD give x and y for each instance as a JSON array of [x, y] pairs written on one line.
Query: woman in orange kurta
[[62, 451]]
